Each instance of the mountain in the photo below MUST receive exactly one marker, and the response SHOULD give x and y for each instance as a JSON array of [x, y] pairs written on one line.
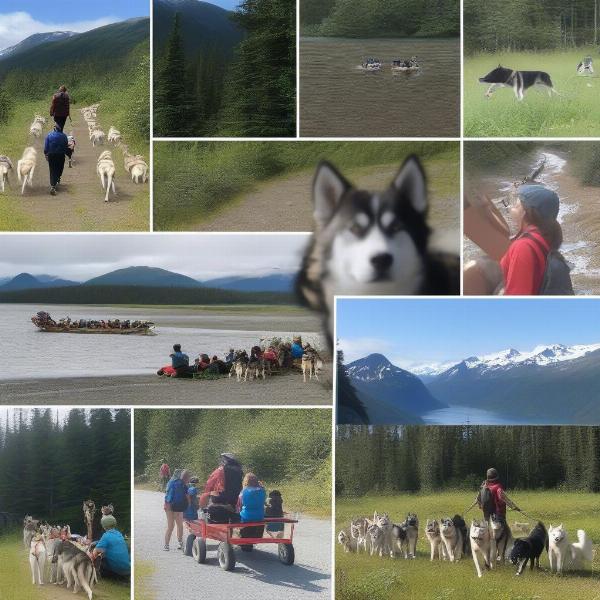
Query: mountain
[[386, 389], [144, 276], [26, 281], [267, 283], [107, 46], [35, 40], [203, 25], [555, 383]]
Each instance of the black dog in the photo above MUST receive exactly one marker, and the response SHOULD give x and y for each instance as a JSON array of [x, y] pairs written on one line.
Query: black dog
[[530, 548], [519, 81]]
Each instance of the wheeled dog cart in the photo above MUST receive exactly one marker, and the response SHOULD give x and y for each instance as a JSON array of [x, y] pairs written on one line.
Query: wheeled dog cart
[[230, 534]]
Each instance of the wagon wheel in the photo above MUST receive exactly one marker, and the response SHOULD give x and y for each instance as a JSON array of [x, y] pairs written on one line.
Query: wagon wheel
[[286, 554], [226, 556], [199, 550], [189, 543]]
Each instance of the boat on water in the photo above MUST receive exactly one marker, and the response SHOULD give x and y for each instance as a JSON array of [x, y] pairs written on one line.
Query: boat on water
[[371, 64], [44, 322], [408, 66]]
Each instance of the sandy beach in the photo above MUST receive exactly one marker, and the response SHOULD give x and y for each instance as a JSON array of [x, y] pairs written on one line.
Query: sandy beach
[[277, 390]]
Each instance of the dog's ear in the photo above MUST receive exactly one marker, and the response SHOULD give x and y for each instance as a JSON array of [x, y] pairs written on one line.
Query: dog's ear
[[329, 185], [410, 184]]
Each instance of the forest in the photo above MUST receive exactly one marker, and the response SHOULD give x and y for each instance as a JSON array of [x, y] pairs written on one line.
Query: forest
[[287, 448], [425, 459], [249, 91], [380, 18], [50, 463], [515, 25]]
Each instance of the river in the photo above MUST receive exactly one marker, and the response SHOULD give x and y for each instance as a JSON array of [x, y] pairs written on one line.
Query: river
[[338, 98], [30, 353]]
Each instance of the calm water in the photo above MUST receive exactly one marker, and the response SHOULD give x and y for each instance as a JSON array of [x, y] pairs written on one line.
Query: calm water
[[337, 98], [29, 353], [461, 415]]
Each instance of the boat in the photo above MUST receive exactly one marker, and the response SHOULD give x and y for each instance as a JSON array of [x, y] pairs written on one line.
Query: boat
[[44, 322], [371, 64], [407, 66]]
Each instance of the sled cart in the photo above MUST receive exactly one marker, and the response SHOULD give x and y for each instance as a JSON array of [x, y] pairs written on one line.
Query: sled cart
[[278, 531]]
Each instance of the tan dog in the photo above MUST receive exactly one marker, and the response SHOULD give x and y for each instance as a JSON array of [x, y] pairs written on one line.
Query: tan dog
[[26, 167], [106, 169]]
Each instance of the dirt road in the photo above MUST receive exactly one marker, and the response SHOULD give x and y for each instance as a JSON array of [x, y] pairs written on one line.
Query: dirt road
[[257, 575], [285, 204], [79, 204]]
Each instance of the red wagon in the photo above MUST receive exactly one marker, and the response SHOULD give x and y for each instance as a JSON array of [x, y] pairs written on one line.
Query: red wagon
[[230, 534]]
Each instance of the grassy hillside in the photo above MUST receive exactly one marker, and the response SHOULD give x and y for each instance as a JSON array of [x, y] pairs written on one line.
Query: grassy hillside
[[193, 180], [359, 577]]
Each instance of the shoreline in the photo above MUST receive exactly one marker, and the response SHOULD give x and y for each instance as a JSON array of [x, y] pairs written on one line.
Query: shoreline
[[123, 390]]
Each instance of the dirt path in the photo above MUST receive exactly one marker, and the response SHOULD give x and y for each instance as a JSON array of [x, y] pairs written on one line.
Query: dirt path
[[257, 575], [284, 204], [79, 204]]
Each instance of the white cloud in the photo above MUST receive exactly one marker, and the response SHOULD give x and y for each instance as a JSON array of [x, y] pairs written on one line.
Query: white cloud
[[16, 26], [355, 348]]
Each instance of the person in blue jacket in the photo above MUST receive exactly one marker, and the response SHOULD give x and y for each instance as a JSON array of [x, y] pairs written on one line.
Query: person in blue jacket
[[113, 548], [176, 501], [297, 350], [251, 504], [191, 512], [56, 147]]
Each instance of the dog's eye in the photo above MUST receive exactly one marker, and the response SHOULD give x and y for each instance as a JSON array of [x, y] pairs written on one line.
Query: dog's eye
[[357, 229]]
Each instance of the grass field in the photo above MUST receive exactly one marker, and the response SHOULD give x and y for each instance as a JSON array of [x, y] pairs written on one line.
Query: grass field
[[193, 182], [15, 578], [574, 113], [359, 577]]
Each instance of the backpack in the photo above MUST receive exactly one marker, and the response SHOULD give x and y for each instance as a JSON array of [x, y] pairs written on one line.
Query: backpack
[[486, 501], [233, 482], [557, 274], [179, 494]]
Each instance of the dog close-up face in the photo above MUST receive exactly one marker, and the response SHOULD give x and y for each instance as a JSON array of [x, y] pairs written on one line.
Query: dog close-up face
[[374, 241], [432, 527], [497, 75], [412, 520], [479, 529]]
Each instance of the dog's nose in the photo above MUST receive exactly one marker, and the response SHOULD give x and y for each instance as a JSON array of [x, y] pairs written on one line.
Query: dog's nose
[[382, 262]]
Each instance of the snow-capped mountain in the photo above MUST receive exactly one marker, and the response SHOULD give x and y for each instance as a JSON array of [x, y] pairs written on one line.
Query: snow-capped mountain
[[35, 40]]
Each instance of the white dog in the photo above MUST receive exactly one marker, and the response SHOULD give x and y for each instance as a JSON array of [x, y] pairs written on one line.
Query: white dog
[[26, 167], [5, 167], [376, 536], [433, 534], [385, 525], [97, 136], [106, 168], [564, 555], [36, 129], [114, 135], [37, 559], [481, 545]]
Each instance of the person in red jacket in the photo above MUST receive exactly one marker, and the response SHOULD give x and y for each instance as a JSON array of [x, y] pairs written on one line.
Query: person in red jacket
[[535, 213], [224, 484], [165, 474], [492, 498], [60, 108]]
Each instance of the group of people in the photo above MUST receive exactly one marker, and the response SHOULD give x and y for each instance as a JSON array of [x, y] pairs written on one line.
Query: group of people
[[44, 319], [229, 496], [284, 354]]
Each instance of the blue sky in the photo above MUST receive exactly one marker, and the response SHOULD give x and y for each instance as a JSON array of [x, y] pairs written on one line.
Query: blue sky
[[423, 331], [21, 18]]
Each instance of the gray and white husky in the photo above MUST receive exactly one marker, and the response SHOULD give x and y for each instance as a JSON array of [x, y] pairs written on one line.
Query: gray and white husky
[[481, 545], [502, 538], [411, 526], [452, 538], [372, 243], [433, 534], [76, 567], [358, 533]]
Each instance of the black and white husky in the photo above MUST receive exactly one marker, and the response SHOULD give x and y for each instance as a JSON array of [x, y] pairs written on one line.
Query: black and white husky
[[519, 81], [76, 567], [372, 243]]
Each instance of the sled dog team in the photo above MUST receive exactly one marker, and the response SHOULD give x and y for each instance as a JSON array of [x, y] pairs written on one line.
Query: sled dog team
[[51, 547], [487, 542]]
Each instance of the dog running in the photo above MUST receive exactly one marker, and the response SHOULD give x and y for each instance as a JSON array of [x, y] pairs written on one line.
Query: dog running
[[519, 81]]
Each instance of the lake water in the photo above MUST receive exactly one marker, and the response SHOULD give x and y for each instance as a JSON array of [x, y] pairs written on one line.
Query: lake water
[[28, 353], [463, 415], [338, 98]]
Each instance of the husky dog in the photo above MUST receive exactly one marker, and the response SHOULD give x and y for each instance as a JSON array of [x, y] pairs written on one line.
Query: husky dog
[[400, 539], [36, 129], [26, 167], [564, 555], [383, 522], [114, 135], [376, 542], [481, 545], [5, 166], [529, 548], [75, 566], [52, 538], [37, 558], [519, 81], [453, 537], [239, 364], [585, 67], [106, 169], [502, 538], [358, 532], [107, 510], [411, 525], [432, 532], [345, 540], [71, 143], [371, 244], [310, 359]]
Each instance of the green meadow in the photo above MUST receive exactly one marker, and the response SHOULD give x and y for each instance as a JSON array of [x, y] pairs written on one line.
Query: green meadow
[[360, 577], [575, 112]]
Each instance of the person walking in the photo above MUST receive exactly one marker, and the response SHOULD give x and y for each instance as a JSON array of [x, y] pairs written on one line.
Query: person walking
[[176, 501], [60, 108], [56, 147], [492, 499], [164, 474]]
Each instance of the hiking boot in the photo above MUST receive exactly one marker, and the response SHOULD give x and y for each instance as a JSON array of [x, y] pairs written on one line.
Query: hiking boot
[[166, 548], [53, 191]]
